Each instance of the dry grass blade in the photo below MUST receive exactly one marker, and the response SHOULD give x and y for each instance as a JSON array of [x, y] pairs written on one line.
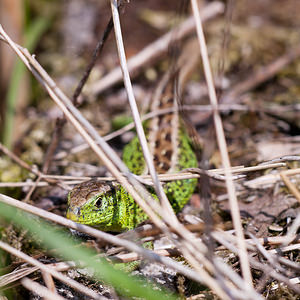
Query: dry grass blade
[[16, 275], [136, 116], [49, 282], [284, 175], [223, 149], [40, 290], [71, 180]]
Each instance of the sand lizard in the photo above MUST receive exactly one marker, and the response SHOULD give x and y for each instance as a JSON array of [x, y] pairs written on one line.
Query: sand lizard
[[108, 206]]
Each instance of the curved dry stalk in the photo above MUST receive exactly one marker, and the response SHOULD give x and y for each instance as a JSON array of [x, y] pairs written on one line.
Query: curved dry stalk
[[235, 212], [49, 282], [285, 177]]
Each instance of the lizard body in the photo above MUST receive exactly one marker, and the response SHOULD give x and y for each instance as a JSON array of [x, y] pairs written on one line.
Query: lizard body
[[108, 206]]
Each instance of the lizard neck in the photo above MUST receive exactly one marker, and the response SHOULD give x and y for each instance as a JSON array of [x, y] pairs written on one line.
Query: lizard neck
[[128, 213]]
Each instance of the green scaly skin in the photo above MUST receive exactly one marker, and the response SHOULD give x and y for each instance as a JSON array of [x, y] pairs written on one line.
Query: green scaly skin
[[109, 207]]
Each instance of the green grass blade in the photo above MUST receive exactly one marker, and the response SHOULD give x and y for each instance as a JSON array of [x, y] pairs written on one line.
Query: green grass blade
[[54, 238]]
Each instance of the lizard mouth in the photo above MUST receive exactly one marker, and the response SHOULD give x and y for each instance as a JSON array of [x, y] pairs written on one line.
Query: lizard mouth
[[72, 215]]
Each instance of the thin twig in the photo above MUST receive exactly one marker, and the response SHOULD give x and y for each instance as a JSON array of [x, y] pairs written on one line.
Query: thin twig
[[92, 63], [285, 249]]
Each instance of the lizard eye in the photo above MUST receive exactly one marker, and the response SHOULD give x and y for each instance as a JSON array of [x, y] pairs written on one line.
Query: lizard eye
[[98, 203]]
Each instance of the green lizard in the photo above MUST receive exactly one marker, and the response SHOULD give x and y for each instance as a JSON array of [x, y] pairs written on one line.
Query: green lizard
[[108, 206]]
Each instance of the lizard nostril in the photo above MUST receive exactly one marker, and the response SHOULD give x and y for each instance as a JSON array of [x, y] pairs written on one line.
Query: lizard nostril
[[73, 214], [77, 211]]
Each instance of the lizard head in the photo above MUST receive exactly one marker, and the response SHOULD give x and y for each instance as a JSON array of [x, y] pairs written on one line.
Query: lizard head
[[93, 203]]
